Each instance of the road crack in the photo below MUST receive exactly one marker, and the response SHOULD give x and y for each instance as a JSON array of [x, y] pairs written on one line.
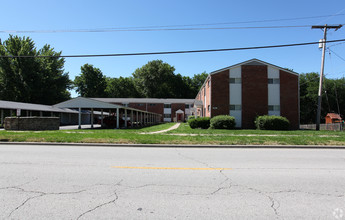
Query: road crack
[[41, 194], [113, 201], [220, 185], [273, 205], [99, 206]]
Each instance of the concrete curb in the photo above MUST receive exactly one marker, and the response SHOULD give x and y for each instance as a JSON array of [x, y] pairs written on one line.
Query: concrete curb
[[176, 145]]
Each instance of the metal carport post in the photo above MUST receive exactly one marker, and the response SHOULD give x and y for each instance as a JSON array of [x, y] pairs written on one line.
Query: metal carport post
[[102, 118], [141, 118], [79, 118], [91, 117], [125, 118], [2, 116], [132, 119], [117, 118]]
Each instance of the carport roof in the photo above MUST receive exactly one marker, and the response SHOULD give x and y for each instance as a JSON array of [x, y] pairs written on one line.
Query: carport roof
[[144, 100], [33, 107], [81, 102]]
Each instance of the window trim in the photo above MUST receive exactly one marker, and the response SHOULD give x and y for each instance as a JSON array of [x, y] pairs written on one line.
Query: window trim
[[273, 108], [235, 107], [234, 80], [169, 115], [273, 81]]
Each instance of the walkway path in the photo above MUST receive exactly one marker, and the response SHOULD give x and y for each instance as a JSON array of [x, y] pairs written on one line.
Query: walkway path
[[162, 131]]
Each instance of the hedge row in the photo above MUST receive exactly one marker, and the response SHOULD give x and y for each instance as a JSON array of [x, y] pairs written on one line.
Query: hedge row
[[218, 122], [222, 122], [266, 122], [272, 122], [203, 123]]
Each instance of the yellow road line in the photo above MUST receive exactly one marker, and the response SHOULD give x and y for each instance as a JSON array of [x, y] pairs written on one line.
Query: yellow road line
[[170, 168]]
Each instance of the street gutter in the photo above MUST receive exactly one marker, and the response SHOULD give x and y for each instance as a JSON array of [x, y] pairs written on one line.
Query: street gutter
[[177, 145]]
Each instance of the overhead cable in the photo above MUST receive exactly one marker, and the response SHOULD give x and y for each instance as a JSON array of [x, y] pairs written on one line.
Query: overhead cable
[[175, 27], [336, 54], [154, 29], [178, 52]]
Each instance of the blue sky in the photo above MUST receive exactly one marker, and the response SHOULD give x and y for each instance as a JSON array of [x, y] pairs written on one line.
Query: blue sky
[[84, 14]]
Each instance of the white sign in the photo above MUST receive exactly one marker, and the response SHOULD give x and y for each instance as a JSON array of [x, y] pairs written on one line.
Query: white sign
[[18, 112]]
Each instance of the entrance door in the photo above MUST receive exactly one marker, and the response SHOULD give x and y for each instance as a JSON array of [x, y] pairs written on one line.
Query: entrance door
[[179, 117]]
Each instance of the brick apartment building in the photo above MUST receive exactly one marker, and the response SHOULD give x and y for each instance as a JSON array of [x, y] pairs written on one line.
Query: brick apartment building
[[170, 109], [250, 89]]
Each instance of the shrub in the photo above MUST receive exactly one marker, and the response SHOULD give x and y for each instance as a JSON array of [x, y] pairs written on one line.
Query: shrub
[[203, 123], [193, 123], [272, 122], [222, 122], [191, 117]]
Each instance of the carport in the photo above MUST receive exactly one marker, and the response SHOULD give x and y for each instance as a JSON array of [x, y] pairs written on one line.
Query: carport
[[137, 117], [29, 110]]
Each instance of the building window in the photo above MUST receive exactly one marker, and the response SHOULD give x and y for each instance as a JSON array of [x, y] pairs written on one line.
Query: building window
[[167, 115], [274, 108], [140, 104], [204, 91], [273, 81], [235, 80], [235, 107], [209, 108], [167, 105], [186, 106], [152, 104], [208, 83]]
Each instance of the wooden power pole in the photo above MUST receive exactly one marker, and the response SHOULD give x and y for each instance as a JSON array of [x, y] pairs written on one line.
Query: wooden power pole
[[323, 41]]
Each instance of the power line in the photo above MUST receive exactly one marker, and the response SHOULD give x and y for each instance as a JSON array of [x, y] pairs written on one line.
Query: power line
[[177, 52], [336, 54], [153, 29], [335, 45], [330, 16], [175, 27]]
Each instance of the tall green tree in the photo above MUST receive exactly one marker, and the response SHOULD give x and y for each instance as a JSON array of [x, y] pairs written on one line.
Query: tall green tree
[[198, 80], [309, 83], [91, 82], [332, 97], [32, 78], [122, 87], [155, 80]]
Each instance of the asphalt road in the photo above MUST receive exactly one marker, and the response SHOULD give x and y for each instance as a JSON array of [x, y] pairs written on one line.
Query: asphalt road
[[74, 182]]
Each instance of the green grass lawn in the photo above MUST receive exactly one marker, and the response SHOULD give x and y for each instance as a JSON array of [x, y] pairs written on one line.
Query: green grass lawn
[[183, 135]]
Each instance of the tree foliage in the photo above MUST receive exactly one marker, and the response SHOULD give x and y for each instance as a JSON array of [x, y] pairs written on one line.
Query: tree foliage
[[91, 82], [333, 97], [156, 80], [122, 87], [31, 79]]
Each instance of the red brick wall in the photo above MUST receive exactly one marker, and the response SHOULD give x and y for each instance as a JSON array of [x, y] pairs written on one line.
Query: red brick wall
[[175, 107], [137, 106], [289, 107], [208, 97], [254, 93], [201, 97], [220, 93], [155, 108]]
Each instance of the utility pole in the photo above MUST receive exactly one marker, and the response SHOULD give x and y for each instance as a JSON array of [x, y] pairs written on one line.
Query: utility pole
[[323, 41]]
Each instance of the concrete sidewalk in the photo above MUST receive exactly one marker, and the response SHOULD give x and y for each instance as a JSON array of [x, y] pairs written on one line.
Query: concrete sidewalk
[[178, 145], [162, 131]]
